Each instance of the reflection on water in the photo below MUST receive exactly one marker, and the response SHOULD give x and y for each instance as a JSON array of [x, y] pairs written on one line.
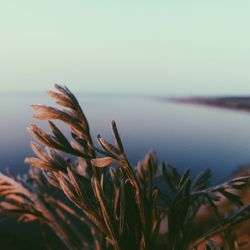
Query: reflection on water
[[195, 137]]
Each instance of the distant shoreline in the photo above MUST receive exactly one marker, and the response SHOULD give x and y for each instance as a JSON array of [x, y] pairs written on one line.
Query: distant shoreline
[[234, 103]]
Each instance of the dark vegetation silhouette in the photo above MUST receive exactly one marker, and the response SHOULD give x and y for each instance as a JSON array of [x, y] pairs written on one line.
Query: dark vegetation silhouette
[[111, 204]]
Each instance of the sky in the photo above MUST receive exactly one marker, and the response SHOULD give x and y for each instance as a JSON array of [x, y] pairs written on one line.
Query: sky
[[149, 47]]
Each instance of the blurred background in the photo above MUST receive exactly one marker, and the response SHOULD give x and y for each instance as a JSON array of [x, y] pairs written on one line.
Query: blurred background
[[143, 47], [123, 60]]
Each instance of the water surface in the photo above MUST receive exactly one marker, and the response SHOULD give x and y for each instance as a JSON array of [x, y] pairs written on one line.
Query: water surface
[[187, 136]]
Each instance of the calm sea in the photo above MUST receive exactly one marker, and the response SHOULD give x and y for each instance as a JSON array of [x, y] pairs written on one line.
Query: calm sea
[[186, 136]]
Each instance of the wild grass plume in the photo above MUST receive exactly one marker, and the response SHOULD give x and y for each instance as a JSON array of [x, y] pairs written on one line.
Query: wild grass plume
[[111, 204]]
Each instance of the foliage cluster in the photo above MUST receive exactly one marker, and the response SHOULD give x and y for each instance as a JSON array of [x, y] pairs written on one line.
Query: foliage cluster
[[112, 204]]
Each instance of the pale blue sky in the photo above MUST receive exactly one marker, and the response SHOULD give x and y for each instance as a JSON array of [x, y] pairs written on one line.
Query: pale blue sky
[[166, 47]]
